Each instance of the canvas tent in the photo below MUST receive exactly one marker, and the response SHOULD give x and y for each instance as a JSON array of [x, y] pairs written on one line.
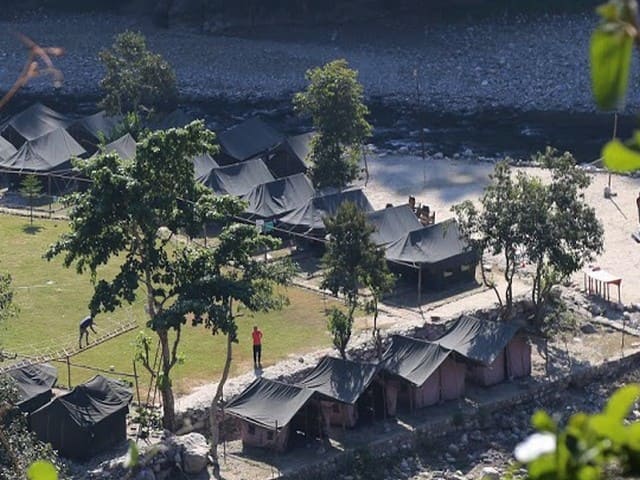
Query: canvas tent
[[392, 223], [420, 373], [290, 157], [34, 383], [439, 253], [346, 389], [249, 139], [90, 130], [6, 149], [125, 147], [274, 199], [85, 421], [274, 415], [178, 118], [33, 122], [493, 349], [300, 146], [202, 166], [308, 220], [239, 178], [51, 152]]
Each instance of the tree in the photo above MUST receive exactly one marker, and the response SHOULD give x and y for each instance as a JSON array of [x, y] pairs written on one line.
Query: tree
[[31, 188], [352, 260], [334, 99], [135, 77], [213, 286], [128, 215], [339, 326]]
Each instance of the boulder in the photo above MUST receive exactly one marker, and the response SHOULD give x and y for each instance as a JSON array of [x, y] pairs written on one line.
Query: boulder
[[588, 328], [195, 452], [490, 473]]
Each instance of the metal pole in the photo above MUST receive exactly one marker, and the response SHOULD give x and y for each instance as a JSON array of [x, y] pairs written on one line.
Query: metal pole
[[68, 372], [424, 154], [135, 376], [420, 286], [615, 132]]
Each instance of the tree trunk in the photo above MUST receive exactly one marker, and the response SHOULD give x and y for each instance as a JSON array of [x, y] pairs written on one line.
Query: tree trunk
[[168, 403], [376, 333], [213, 410]]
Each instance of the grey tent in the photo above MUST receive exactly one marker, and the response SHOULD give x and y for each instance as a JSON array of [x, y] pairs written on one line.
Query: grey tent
[[340, 383], [439, 253], [309, 218], [202, 166], [33, 122], [6, 149], [34, 383], [488, 345], [272, 412], [239, 178], [420, 373], [300, 146], [290, 157], [175, 119], [85, 421], [249, 139], [392, 223], [48, 153], [90, 130], [279, 197], [124, 146]]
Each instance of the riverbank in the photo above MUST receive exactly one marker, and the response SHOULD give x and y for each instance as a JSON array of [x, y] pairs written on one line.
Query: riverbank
[[536, 63]]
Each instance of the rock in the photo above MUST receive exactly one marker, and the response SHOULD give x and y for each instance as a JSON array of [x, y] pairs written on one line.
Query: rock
[[476, 436], [490, 473], [195, 452], [588, 328], [453, 448], [404, 465], [145, 474]]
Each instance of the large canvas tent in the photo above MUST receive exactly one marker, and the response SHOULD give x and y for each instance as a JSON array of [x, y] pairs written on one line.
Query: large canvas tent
[[34, 383], [125, 147], [308, 220], [392, 223], [51, 152], [6, 148], [274, 199], [89, 131], [290, 157], [239, 178], [85, 421], [420, 373], [439, 253], [346, 389], [202, 166], [33, 122], [273, 414], [493, 349], [249, 139]]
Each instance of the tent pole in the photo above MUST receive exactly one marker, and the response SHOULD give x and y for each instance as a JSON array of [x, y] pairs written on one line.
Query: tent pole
[[69, 372], [135, 376], [420, 286]]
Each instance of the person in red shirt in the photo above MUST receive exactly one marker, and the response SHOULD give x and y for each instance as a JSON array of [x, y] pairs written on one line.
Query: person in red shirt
[[257, 347]]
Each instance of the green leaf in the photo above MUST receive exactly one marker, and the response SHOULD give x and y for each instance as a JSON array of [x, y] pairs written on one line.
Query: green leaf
[[42, 470], [588, 472], [620, 158], [609, 11], [542, 422], [610, 55], [621, 402], [132, 455], [543, 467]]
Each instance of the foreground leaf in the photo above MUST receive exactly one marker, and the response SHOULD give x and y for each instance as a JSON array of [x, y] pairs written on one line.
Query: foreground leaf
[[610, 56], [620, 158], [42, 470]]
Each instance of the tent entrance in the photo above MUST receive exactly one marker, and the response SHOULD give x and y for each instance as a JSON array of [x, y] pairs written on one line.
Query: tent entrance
[[371, 404], [306, 426]]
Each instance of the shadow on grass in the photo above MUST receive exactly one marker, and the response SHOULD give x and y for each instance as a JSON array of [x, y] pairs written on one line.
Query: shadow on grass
[[32, 229]]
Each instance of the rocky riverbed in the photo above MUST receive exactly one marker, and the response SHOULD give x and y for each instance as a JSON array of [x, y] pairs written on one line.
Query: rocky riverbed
[[526, 63]]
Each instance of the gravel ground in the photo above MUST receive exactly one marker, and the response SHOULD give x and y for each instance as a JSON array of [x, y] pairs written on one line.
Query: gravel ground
[[537, 63]]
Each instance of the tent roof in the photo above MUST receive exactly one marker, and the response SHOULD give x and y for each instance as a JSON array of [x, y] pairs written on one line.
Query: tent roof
[[45, 153], [341, 380], [249, 138], [98, 123], [429, 245], [269, 403], [124, 146], [300, 145], [175, 119], [311, 215], [93, 401], [6, 148], [33, 380], [274, 199], [479, 340], [37, 120], [392, 223], [202, 165], [412, 359], [238, 178]]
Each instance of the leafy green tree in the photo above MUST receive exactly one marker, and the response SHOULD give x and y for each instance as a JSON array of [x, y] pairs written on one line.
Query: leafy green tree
[[334, 99], [340, 325], [216, 285], [352, 261], [128, 215], [31, 188], [135, 77]]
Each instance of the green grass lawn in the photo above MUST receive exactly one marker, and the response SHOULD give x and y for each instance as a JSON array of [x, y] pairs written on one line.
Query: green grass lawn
[[52, 300]]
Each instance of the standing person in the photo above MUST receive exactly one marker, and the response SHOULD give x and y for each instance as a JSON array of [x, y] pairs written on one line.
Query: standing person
[[638, 205], [257, 347], [85, 325]]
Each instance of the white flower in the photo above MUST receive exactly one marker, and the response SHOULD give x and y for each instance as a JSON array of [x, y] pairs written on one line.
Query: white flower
[[534, 446]]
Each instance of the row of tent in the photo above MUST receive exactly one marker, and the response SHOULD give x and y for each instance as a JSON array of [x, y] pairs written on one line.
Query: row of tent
[[413, 374], [80, 423]]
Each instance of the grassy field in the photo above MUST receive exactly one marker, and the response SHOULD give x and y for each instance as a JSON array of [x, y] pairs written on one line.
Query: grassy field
[[52, 300]]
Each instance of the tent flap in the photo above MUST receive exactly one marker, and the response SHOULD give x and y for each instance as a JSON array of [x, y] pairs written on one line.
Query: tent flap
[[412, 359], [249, 139], [238, 178], [392, 223], [274, 199]]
